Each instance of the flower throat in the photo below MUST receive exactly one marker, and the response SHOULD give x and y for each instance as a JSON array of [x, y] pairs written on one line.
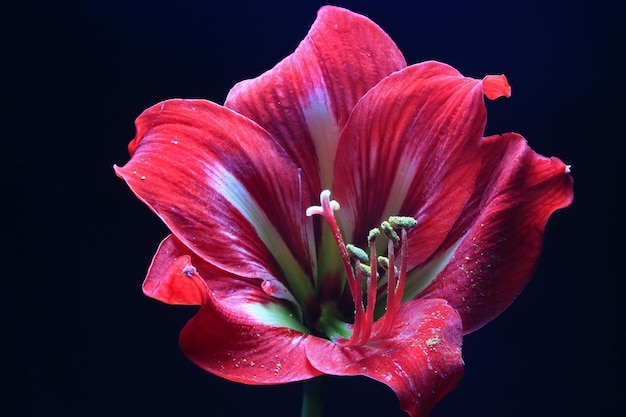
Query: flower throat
[[361, 268]]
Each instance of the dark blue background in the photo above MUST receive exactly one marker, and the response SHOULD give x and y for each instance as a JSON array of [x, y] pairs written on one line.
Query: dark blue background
[[82, 340]]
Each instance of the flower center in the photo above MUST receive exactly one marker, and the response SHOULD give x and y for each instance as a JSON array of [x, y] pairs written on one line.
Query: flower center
[[362, 271]]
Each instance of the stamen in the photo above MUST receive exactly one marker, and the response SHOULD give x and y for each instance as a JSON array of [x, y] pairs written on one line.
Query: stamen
[[391, 234], [359, 311], [395, 290], [398, 222], [384, 264], [372, 280], [366, 269], [389, 316], [373, 234], [357, 253], [404, 260]]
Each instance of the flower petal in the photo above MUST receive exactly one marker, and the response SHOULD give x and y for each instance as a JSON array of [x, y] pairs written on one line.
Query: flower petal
[[503, 226], [226, 336], [411, 148], [305, 100], [178, 276], [166, 280], [496, 86], [241, 349], [220, 181], [420, 360]]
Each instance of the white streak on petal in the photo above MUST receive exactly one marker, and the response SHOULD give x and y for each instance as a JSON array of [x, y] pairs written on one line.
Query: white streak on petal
[[237, 195], [421, 277], [405, 174], [324, 129], [274, 315]]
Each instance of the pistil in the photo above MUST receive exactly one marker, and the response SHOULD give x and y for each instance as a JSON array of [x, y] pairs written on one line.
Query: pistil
[[327, 210]]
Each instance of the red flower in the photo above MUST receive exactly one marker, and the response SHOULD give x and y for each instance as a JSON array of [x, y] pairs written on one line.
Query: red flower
[[284, 296]]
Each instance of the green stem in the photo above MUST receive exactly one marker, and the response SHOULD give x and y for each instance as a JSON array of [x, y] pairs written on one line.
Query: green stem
[[313, 397]]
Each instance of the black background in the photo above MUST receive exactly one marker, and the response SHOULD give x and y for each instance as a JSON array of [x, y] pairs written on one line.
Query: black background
[[79, 336]]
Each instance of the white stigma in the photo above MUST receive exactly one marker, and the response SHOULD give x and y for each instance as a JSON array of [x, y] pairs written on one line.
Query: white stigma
[[327, 206]]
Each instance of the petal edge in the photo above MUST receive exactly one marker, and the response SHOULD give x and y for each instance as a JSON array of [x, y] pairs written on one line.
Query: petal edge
[[517, 191]]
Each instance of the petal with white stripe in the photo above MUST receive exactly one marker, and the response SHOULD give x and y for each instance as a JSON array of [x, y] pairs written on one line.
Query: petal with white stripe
[[225, 188], [305, 100]]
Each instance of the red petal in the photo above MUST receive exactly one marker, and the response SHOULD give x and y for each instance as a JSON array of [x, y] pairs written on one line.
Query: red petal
[[238, 348], [516, 192], [411, 148], [421, 360], [305, 100], [224, 338], [166, 280], [222, 185], [178, 276], [495, 86]]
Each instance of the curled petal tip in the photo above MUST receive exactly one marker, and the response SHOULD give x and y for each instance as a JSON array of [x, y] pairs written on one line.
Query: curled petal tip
[[495, 86]]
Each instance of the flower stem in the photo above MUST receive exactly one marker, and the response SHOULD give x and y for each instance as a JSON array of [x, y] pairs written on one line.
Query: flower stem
[[313, 397]]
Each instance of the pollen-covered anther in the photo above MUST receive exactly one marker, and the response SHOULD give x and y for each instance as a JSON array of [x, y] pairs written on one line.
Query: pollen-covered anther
[[357, 253], [399, 222], [383, 262], [365, 269], [373, 234], [387, 229]]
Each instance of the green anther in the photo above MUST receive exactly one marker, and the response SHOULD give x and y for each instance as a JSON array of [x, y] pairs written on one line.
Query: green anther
[[399, 222], [357, 253], [384, 264], [373, 234], [391, 234], [365, 269]]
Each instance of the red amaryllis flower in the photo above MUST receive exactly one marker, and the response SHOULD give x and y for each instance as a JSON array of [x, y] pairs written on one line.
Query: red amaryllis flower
[[342, 214]]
